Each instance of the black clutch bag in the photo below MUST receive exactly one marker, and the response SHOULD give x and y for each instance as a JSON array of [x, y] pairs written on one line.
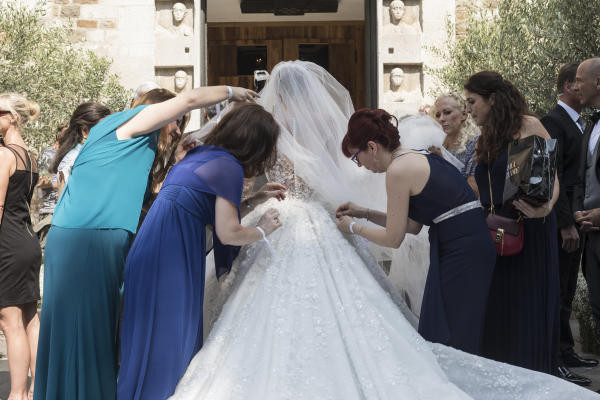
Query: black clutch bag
[[531, 169]]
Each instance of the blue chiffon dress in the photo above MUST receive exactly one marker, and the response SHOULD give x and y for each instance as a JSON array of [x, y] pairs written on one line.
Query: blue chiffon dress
[[462, 258], [165, 270], [522, 319], [91, 232]]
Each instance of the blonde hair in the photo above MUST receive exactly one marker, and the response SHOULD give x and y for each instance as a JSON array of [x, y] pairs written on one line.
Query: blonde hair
[[25, 110], [469, 130]]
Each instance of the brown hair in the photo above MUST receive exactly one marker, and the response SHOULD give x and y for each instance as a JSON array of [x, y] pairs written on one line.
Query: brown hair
[[250, 134], [505, 119], [165, 150], [366, 125], [566, 74], [85, 116]]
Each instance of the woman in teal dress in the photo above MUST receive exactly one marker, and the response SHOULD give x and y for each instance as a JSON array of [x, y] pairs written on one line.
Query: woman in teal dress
[[92, 226]]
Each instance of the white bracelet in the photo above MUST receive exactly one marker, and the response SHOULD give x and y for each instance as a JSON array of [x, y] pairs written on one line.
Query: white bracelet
[[351, 224], [229, 92], [266, 240]]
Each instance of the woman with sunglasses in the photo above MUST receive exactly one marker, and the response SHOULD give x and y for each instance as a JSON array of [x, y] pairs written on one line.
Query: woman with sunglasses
[[424, 189], [93, 223], [20, 253]]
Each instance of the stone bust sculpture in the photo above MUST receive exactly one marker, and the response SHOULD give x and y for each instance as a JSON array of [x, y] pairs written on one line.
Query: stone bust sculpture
[[181, 79], [396, 11], [177, 26], [398, 91], [398, 21]]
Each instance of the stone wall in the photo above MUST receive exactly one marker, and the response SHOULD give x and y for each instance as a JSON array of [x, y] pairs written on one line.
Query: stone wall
[[116, 29]]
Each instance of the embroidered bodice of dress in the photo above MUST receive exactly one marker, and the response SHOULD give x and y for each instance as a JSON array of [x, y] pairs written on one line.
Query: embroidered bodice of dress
[[283, 172]]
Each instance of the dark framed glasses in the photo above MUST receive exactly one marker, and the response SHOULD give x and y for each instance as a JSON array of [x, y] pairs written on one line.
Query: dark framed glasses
[[354, 157]]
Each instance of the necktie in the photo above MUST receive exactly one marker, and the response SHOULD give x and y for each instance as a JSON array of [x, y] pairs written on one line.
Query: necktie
[[581, 123]]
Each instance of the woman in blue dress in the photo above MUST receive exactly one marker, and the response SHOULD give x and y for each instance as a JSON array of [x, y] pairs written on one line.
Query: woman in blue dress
[[165, 270], [424, 189], [521, 326], [94, 220]]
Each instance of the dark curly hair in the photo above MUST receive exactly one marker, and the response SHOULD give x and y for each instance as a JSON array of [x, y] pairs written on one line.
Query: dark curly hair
[[371, 125], [505, 119]]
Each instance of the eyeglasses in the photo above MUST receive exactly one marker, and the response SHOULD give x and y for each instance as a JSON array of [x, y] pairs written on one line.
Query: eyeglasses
[[354, 158]]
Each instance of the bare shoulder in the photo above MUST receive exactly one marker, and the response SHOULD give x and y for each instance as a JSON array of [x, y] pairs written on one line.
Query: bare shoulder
[[533, 126], [7, 159], [410, 169]]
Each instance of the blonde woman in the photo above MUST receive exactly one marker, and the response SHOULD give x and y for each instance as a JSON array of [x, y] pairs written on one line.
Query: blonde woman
[[20, 253], [461, 133]]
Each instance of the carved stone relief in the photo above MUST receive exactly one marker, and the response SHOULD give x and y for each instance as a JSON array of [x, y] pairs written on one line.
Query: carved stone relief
[[402, 83], [401, 17], [176, 79], [173, 30]]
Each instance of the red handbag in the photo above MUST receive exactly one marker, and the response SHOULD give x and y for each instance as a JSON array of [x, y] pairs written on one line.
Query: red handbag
[[507, 233]]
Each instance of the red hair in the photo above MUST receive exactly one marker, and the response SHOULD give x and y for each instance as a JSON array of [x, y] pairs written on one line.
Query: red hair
[[371, 125]]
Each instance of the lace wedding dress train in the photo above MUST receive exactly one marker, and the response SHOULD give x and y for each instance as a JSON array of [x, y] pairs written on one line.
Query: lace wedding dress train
[[313, 321]]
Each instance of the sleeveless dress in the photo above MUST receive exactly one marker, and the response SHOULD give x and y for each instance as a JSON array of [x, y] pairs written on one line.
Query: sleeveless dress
[[462, 259], [522, 317], [20, 252], [165, 273], [85, 253]]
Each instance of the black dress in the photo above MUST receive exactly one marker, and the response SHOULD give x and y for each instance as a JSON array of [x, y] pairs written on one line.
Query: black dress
[[462, 259], [521, 324], [20, 253]]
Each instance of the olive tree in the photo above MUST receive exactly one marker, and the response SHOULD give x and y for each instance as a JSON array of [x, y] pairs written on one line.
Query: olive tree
[[38, 59], [526, 41]]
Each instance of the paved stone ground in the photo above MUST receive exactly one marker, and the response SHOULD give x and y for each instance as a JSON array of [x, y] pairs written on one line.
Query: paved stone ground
[[592, 373]]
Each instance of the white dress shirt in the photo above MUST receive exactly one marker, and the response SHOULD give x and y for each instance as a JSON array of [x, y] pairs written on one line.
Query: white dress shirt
[[575, 116]]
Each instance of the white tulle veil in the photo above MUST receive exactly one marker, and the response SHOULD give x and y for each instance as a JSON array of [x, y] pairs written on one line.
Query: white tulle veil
[[313, 110]]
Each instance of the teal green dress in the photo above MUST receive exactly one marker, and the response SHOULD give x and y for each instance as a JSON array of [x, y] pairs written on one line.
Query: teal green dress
[[86, 248]]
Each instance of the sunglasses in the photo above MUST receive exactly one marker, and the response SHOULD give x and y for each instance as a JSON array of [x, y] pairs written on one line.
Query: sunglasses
[[2, 112], [354, 158]]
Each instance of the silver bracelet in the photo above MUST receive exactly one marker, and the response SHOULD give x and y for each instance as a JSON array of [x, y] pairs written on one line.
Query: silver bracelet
[[261, 230], [229, 92], [350, 227]]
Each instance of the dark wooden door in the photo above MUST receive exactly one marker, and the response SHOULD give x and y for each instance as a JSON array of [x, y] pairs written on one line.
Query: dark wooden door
[[341, 43]]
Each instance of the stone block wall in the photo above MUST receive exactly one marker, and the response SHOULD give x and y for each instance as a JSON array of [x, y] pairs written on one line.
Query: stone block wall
[[119, 30]]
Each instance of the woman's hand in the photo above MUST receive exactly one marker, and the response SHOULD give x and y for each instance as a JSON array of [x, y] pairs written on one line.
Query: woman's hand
[[241, 94], [269, 221], [268, 191], [530, 211], [186, 144], [435, 150], [343, 224], [350, 209]]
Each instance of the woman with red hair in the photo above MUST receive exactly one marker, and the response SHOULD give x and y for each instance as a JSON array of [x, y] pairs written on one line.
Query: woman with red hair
[[424, 189]]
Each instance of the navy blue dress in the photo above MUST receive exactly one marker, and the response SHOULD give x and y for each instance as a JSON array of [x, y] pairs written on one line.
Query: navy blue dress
[[165, 271], [462, 259], [521, 326]]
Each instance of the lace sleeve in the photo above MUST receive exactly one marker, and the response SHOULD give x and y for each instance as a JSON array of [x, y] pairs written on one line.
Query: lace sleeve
[[283, 172]]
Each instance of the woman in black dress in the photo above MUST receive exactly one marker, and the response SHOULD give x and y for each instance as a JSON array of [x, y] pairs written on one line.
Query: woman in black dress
[[521, 324], [20, 253]]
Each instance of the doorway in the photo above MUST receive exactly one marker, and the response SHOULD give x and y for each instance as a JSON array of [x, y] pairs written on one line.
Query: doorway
[[236, 50]]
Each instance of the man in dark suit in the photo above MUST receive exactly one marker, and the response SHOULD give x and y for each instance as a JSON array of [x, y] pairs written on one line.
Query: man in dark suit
[[586, 201], [565, 124]]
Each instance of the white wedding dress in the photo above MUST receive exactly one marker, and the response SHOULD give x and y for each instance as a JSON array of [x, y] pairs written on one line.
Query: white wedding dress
[[318, 318]]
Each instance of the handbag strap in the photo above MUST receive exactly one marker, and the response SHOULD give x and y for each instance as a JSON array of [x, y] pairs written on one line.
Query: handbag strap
[[490, 185]]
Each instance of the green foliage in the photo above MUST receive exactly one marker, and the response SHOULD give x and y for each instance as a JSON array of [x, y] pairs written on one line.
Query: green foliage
[[526, 41], [37, 59]]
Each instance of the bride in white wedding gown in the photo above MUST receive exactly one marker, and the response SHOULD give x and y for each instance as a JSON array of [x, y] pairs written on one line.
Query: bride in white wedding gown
[[315, 318]]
